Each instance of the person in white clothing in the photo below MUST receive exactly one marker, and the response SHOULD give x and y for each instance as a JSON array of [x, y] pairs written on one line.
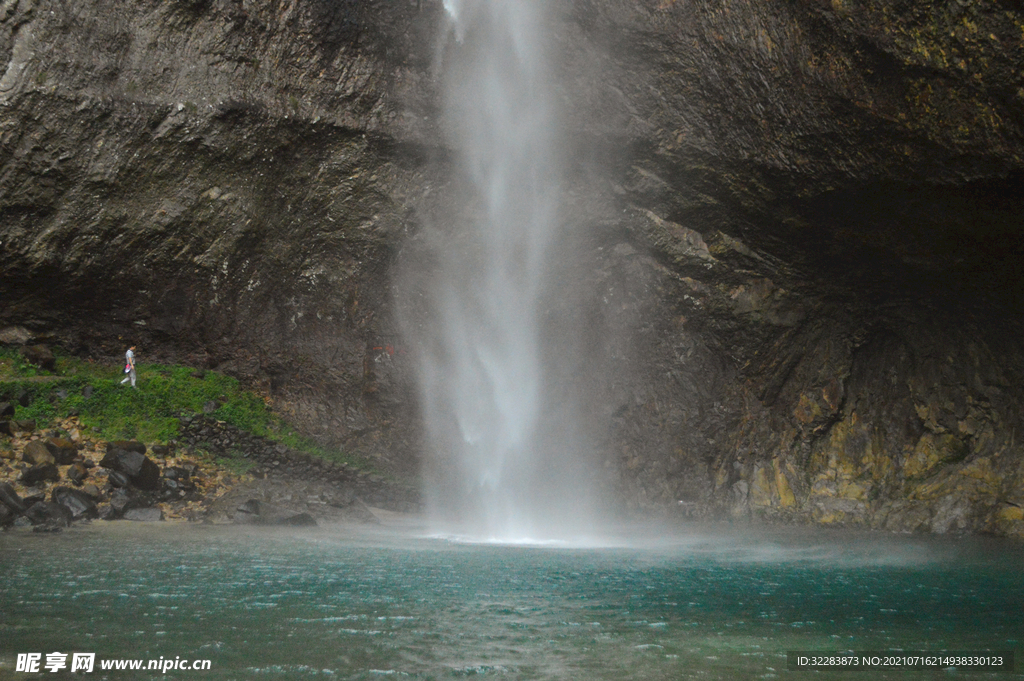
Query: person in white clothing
[[129, 366]]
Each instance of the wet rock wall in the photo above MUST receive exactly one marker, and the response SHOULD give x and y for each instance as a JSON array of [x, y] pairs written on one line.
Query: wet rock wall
[[798, 226]]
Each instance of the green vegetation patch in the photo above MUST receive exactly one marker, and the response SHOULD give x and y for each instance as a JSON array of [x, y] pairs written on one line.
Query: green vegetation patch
[[235, 463], [149, 412], [13, 365]]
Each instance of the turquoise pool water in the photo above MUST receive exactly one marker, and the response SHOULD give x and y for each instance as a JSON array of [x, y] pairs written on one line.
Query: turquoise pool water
[[347, 603]]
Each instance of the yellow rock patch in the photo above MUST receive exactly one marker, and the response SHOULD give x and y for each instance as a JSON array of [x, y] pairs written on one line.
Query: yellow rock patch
[[761, 488], [807, 409], [786, 497], [930, 451], [1011, 513]]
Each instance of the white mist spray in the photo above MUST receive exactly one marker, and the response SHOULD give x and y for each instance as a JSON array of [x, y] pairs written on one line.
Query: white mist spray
[[503, 468]]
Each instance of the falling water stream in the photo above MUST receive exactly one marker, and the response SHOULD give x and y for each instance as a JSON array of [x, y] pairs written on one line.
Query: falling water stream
[[512, 470]]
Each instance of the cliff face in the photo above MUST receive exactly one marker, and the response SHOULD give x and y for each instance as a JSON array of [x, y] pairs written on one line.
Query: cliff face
[[219, 181], [798, 225]]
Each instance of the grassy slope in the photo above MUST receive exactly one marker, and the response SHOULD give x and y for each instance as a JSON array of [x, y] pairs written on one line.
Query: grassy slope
[[150, 412]]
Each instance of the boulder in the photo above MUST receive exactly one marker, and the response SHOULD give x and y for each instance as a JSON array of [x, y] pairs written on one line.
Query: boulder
[[118, 479], [40, 355], [92, 490], [48, 514], [76, 474], [32, 497], [106, 512], [341, 497], [256, 512], [37, 474], [126, 499], [299, 520], [148, 515], [7, 516], [127, 445], [63, 451], [950, 514], [177, 473], [248, 513], [10, 499], [141, 471], [175, 490], [120, 501], [7, 428], [79, 503], [37, 453], [24, 426], [15, 335], [6, 409]]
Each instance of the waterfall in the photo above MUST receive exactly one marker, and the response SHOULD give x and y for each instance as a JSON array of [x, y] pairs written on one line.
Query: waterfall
[[508, 461]]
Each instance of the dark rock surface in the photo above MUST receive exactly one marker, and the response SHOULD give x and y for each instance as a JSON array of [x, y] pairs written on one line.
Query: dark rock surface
[[37, 453], [127, 446], [7, 516], [277, 462], [76, 473], [49, 515], [40, 355], [255, 512], [151, 514], [139, 468], [46, 472], [285, 501], [106, 512], [63, 451], [78, 502], [33, 495], [799, 230], [10, 498], [302, 99], [190, 485], [125, 498]]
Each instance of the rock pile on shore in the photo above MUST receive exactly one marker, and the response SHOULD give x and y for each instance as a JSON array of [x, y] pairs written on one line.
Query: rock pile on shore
[[50, 479], [54, 478]]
